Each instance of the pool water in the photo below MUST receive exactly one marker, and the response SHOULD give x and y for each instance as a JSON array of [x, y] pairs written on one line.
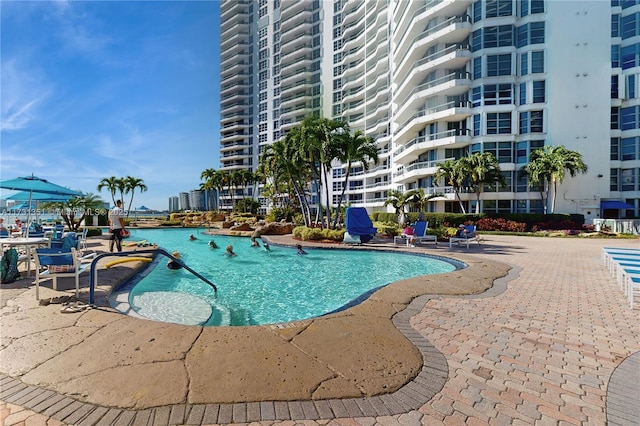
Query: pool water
[[264, 287]]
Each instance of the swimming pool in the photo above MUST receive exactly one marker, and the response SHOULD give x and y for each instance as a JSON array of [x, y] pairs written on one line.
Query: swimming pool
[[259, 286]]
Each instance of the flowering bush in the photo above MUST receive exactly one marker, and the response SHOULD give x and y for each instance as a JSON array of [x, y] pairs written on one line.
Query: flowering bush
[[500, 224]]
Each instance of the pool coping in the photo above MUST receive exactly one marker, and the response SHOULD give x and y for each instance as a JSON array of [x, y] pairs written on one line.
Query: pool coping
[[396, 396]]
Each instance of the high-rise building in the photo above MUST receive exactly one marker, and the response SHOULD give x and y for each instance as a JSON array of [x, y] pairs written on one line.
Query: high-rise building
[[174, 204], [441, 79]]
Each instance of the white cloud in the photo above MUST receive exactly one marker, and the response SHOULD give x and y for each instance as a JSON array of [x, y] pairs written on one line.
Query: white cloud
[[23, 92]]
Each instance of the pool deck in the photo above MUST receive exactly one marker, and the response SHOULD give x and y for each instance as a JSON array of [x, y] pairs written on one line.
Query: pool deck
[[535, 331]]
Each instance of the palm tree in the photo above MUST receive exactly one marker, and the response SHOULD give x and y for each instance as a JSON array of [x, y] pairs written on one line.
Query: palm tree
[[481, 169], [548, 166], [111, 183], [87, 203], [399, 200], [131, 183], [352, 148], [452, 174], [209, 177]]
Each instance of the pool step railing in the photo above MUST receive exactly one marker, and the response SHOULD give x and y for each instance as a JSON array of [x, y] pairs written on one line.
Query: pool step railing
[[94, 270]]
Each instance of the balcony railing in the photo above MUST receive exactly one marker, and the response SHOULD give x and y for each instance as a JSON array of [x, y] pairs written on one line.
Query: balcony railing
[[436, 109]]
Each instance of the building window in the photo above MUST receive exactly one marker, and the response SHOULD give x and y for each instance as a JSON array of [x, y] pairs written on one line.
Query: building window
[[630, 56], [476, 125], [498, 65], [495, 8], [628, 179], [629, 148], [630, 25], [615, 149], [477, 11], [615, 25], [477, 68], [630, 118], [614, 87], [615, 56], [537, 61], [539, 92], [498, 94], [614, 181], [499, 123], [631, 87], [615, 118], [523, 94], [524, 63]]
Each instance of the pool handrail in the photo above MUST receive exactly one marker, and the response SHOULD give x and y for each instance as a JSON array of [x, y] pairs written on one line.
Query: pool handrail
[[94, 271]]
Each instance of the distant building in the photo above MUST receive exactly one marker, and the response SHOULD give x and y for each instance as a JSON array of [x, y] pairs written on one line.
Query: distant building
[[196, 200], [184, 201], [174, 204]]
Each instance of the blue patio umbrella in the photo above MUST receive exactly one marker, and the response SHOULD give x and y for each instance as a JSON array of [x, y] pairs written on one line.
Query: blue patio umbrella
[[35, 185]]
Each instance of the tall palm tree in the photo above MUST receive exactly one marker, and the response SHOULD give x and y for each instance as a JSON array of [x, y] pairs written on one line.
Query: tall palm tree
[[131, 184], [352, 148], [111, 183], [481, 169], [208, 176], [548, 167], [453, 175]]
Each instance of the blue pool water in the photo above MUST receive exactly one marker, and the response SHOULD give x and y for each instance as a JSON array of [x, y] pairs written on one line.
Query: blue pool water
[[260, 286]]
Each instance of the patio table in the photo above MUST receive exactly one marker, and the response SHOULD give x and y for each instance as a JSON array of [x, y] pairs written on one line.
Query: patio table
[[27, 243]]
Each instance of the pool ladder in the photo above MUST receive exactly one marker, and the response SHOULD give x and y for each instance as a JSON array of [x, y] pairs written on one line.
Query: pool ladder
[[94, 271]]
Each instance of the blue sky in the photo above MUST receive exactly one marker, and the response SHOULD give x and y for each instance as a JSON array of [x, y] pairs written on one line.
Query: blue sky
[[93, 89]]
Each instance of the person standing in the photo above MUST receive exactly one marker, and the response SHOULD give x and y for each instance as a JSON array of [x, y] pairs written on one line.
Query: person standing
[[116, 226]]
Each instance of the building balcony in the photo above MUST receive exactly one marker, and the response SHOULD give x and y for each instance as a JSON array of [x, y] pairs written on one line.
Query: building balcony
[[454, 84], [229, 27], [352, 13], [233, 38], [234, 155], [412, 73], [448, 112], [418, 14], [235, 126], [421, 144], [290, 10], [453, 30], [234, 89], [295, 34], [298, 53], [233, 7], [229, 138], [233, 117], [289, 77]]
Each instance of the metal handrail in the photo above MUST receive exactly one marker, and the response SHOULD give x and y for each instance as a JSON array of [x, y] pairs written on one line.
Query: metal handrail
[[94, 272]]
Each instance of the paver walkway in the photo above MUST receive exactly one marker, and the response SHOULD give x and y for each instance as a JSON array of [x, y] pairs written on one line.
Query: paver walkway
[[559, 346]]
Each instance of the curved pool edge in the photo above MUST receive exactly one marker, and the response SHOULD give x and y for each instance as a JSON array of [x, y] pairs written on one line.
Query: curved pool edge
[[355, 365]]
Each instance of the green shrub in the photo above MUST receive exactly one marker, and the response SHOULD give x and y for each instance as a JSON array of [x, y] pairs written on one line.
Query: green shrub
[[388, 229], [170, 223], [94, 232], [317, 234]]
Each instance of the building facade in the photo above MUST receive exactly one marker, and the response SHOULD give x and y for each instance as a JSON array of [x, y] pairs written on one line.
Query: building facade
[[441, 79]]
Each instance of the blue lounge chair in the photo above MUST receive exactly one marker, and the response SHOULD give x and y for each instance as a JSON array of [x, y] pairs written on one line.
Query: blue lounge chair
[[470, 235], [359, 226]]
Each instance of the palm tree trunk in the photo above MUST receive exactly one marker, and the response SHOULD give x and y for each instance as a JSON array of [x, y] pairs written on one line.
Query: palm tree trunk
[[464, 211], [344, 189]]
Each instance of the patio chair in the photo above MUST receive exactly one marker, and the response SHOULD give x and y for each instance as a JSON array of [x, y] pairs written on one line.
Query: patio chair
[[470, 235], [82, 239], [419, 235], [54, 263]]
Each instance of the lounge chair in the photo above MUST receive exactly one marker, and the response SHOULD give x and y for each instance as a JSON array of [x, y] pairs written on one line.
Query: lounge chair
[[358, 225], [419, 235], [471, 235], [53, 263]]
